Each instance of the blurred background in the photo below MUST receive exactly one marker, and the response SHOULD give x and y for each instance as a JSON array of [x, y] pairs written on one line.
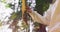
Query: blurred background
[[11, 15]]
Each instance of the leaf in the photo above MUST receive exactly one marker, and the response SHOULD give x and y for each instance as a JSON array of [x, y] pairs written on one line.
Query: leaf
[[0, 23], [13, 16], [8, 5], [3, 1]]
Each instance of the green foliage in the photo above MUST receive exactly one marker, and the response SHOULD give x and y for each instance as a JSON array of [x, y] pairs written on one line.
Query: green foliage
[[24, 25], [3, 1], [16, 15], [0, 23], [8, 5], [36, 24], [41, 6]]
